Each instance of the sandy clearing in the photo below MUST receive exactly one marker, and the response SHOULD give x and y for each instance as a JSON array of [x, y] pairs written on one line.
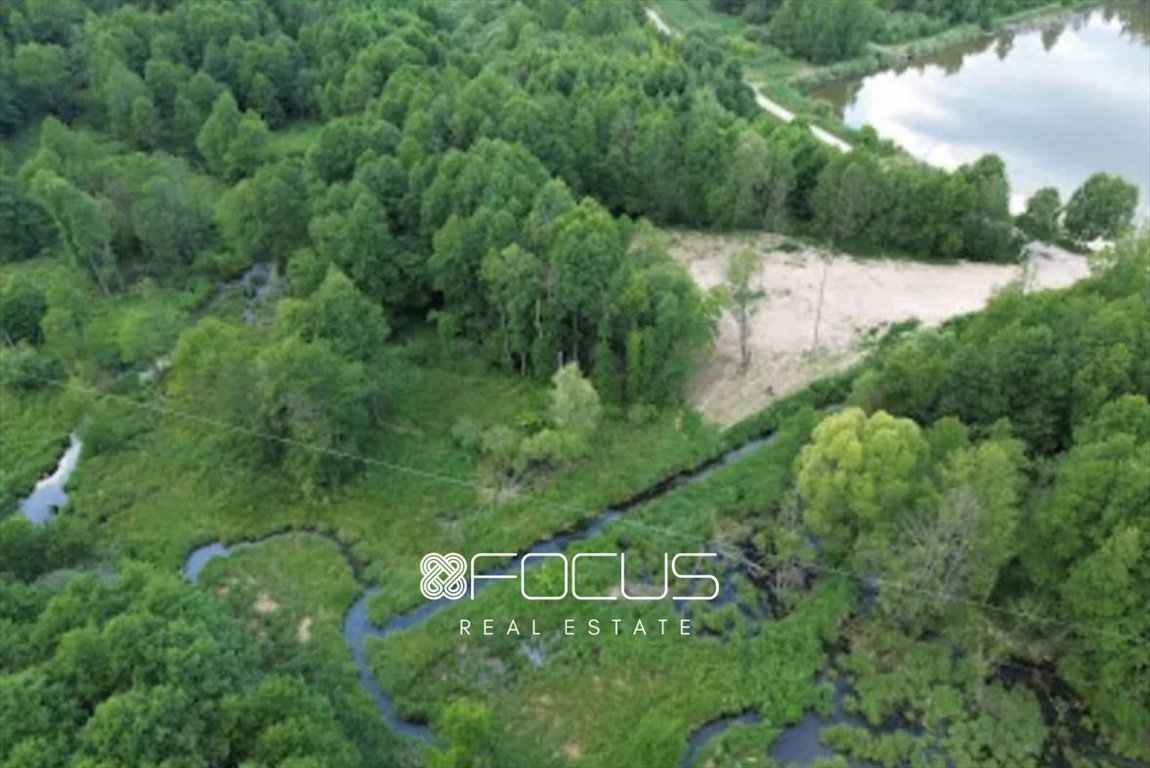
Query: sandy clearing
[[303, 631], [860, 299]]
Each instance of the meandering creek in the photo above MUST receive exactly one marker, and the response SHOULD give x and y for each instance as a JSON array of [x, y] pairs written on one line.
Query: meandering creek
[[798, 743]]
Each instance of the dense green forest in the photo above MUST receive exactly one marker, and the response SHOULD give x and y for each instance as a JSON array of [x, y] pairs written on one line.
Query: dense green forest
[[394, 275]]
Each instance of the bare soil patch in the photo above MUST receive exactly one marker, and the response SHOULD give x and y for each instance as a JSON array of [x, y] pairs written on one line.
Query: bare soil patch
[[265, 604], [860, 300]]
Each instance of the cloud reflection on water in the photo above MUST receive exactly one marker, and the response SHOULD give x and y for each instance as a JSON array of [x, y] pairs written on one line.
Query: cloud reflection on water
[[1057, 106]]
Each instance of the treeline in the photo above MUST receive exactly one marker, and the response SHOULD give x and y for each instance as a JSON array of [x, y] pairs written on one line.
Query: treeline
[[505, 262], [992, 483], [136, 667], [477, 166], [649, 130]]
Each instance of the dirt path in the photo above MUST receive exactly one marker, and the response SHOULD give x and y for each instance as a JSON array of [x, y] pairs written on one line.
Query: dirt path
[[787, 116], [764, 103], [654, 17], [860, 300]]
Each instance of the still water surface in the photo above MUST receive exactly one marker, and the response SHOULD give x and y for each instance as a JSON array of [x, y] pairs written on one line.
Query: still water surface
[[1057, 104]]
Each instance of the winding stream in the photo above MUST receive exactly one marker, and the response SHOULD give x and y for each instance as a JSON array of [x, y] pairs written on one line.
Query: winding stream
[[357, 627], [797, 744]]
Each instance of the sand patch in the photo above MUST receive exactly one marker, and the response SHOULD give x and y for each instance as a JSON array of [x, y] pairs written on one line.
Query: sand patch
[[303, 631], [572, 750], [860, 300], [265, 604]]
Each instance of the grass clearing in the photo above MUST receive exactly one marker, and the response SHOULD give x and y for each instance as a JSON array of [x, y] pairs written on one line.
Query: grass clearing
[[293, 140], [173, 484]]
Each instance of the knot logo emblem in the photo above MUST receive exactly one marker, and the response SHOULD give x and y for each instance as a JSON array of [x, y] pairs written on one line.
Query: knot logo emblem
[[443, 576]]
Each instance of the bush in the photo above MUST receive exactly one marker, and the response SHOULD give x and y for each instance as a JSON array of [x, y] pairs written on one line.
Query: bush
[[25, 369]]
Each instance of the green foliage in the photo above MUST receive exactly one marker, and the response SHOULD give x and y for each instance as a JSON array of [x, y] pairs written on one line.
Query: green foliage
[[337, 313], [211, 371], [147, 330], [850, 195], [465, 728], [217, 133], [25, 224], [83, 225], [1086, 553], [265, 217], [355, 235], [1046, 362], [932, 515], [960, 718], [43, 78], [305, 271], [232, 145], [27, 369], [170, 222], [509, 455], [22, 308], [574, 409], [1042, 217], [825, 31], [28, 551], [1103, 207], [142, 669], [478, 166], [741, 298], [761, 179], [1082, 410], [861, 477]]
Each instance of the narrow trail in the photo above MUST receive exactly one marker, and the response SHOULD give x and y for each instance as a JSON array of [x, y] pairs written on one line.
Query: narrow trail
[[764, 103]]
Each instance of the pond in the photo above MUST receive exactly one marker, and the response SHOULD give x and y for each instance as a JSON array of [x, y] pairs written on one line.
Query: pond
[[1057, 103]]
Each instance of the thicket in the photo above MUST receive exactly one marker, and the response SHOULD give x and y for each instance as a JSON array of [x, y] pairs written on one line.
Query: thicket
[[137, 667], [996, 490]]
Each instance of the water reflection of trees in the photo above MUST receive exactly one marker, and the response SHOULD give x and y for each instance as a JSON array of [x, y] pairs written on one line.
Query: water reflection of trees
[[1003, 46], [950, 59], [1133, 15], [1050, 36]]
